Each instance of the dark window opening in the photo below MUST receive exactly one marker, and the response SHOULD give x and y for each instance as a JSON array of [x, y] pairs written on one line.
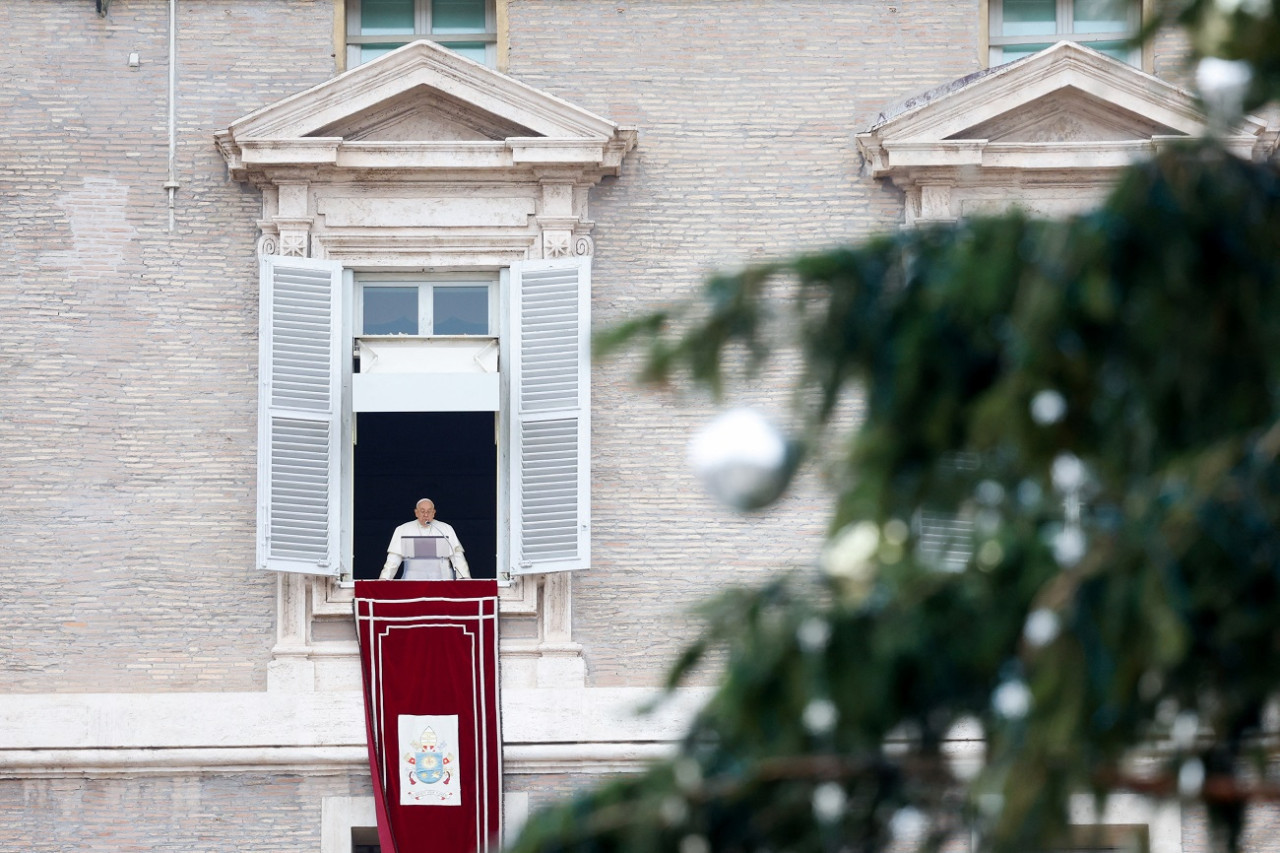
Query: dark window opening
[[400, 457], [364, 839]]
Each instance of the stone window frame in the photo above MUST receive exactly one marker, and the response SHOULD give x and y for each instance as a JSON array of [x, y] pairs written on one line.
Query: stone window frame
[[506, 170], [535, 607]]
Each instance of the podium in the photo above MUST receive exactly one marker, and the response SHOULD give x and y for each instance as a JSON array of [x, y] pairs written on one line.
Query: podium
[[429, 656], [426, 558]]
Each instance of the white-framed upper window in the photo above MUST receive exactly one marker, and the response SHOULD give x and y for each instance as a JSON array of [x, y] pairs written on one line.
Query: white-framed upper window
[[399, 305], [467, 27], [1022, 27]]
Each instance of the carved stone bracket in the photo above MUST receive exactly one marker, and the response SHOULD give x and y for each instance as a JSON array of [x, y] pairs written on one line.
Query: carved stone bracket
[[294, 219], [268, 243], [559, 243], [935, 203]]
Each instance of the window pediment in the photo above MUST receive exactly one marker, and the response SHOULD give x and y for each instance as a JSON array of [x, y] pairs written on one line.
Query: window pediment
[[1047, 133], [481, 169], [416, 97], [1068, 115], [423, 115]]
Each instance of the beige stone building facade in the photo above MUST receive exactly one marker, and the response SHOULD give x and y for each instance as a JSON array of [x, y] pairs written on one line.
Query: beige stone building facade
[[178, 672]]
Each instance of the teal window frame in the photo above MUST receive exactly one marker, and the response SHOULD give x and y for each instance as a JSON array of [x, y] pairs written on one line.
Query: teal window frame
[[1007, 48], [480, 45]]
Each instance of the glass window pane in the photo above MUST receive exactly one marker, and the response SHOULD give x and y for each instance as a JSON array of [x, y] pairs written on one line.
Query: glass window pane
[[460, 310], [457, 16], [371, 51], [1029, 17], [384, 17], [390, 311], [1116, 49], [1010, 52], [471, 50], [1101, 16]]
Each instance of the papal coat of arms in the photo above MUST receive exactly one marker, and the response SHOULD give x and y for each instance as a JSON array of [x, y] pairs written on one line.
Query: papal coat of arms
[[429, 760]]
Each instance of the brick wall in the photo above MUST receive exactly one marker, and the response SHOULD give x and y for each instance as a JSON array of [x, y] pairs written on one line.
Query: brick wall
[[127, 443], [205, 813], [747, 113], [129, 438], [129, 450]]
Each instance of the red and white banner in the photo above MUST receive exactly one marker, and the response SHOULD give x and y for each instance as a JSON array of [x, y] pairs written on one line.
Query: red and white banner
[[429, 651]]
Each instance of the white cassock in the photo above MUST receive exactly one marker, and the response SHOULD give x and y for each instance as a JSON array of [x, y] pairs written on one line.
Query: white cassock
[[395, 550]]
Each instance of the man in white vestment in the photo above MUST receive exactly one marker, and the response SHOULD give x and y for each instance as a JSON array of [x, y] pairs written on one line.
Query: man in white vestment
[[425, 525]]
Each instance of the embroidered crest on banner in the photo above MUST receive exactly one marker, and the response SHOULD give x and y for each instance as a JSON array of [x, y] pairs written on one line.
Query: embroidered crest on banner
[[429, 760]]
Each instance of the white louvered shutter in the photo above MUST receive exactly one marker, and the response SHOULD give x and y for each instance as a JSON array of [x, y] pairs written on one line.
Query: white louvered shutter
[[299, 415], [549, 387], [944, 540]]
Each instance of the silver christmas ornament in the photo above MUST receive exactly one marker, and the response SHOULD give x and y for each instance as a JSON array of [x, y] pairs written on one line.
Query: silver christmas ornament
[[743, 459], [1223, 84]]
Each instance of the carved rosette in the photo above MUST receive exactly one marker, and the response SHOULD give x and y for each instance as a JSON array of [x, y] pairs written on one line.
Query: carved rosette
[[557, 244], [293, 244]]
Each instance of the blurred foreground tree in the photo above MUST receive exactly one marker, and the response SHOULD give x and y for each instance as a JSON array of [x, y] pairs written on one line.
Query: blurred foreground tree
[[1088, 410]]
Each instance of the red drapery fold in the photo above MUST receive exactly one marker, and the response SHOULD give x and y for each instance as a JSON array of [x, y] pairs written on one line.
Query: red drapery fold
[[429, 652]]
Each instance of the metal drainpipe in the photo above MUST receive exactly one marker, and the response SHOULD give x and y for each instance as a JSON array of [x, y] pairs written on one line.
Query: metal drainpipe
[[171, 185]]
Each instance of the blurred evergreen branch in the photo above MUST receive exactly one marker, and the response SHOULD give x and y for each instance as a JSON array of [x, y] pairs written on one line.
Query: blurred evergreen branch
[[1094, 402]]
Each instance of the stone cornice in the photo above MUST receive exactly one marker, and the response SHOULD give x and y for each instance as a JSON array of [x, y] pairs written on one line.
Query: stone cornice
[[309, 761], [889, 159], [544, 730], [588, 158]]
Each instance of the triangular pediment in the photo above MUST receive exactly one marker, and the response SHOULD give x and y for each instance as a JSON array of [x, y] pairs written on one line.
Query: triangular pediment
[[429, 71], [1068, 115], [1047, 133], [423, 115], [1066, 98], [423, 107]]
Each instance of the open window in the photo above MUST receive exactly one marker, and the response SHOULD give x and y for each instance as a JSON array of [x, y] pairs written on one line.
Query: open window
[[400, 187], [402, 457], [489, 417]]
